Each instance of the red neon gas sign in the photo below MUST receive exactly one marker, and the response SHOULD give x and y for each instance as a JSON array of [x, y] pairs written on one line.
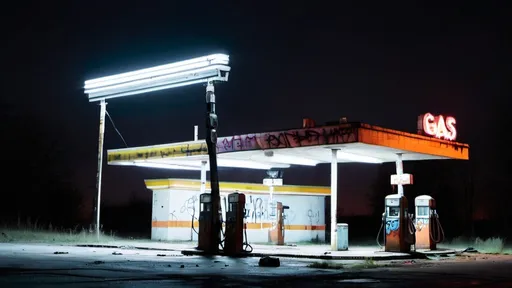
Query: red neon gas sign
[[439, 126]]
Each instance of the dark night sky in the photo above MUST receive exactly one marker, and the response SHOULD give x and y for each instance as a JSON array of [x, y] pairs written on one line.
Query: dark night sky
[[379, 63]]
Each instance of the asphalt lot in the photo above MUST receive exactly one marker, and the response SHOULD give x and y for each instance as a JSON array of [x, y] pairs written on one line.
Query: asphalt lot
[[39, 265]]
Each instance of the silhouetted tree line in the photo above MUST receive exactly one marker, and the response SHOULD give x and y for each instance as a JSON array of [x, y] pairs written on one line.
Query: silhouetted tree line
[[37, 185]]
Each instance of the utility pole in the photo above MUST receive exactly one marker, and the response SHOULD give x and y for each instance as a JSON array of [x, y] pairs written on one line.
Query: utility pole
[[211, 142], [103, 109]]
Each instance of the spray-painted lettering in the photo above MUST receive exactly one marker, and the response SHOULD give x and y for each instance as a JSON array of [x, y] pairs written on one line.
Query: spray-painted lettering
[[288, 139], [237, 143], [314, 216], [391, 225]]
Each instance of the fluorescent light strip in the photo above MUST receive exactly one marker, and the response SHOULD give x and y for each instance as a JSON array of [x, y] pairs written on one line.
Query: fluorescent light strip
[[147, 90], [358, 158], [165, 166], [242, 164], [196, 165], [146, 76], [178, 66], [168, 78], [287, 159]]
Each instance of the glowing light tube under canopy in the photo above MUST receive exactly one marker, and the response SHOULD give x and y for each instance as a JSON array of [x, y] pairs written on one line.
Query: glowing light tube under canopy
[[198, 70], [358, 158], [166, 166], [196, 165], [287, 159]]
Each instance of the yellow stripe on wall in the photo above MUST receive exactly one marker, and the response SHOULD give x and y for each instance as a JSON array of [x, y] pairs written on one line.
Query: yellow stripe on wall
[[157, 184], [249, 226]]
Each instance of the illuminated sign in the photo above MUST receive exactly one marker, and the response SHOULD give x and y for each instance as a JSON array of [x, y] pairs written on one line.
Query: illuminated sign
[[403, 179], [438, 126]]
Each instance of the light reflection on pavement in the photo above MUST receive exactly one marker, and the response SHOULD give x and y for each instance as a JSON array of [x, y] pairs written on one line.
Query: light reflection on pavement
[[37, 265]]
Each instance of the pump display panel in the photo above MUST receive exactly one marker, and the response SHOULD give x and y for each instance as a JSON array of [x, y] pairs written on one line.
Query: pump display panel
[[393, 211], [206, 198], [423, 211], [233, 197]]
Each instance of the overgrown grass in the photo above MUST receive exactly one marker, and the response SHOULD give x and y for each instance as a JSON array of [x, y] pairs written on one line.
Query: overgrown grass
[[493, 245], [35, 233], [367, 264]]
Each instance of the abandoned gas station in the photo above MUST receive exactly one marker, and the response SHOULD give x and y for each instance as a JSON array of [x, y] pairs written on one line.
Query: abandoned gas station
[[176, 204], [231, 215]]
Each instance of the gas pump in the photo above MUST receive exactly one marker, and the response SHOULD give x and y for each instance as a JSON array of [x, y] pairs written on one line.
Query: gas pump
[[234, 235], [205, 222], [398, 225], [276, 233], [428, 228]]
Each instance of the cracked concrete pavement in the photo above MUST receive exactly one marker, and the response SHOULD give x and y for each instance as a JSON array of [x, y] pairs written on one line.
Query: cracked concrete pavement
[[41, 265]]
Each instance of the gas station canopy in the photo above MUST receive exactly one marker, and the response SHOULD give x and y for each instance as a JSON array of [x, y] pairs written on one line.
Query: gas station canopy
[[309, 146]]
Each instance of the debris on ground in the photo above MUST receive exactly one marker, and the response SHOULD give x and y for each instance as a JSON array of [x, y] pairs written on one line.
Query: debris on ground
[[409, 262], [117, 253], [469, 250], [269, 262], [60, 252], [98, 262], [182, 266], [161, 255]]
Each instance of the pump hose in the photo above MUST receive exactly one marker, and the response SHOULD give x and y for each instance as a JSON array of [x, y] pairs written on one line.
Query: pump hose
[[410, 224], [247, 246], [437, 232], [378, 234], [223, 234], [194, 229]]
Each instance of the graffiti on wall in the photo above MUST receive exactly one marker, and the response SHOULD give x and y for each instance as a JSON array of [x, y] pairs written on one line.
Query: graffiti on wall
[[272, 140], [179, 150], [420, 224], [256, 209], [314, 217], [391, 225], [288, 139], [189, 207]]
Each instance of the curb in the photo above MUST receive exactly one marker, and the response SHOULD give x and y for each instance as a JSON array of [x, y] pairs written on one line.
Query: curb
[[188, 252], [322, 257], [125, 247]]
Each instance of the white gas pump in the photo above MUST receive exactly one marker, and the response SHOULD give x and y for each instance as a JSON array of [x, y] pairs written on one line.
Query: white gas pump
[[429, 231]]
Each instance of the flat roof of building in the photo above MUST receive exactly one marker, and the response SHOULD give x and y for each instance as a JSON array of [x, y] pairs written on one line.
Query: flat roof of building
[[189, 184], [357, 142]]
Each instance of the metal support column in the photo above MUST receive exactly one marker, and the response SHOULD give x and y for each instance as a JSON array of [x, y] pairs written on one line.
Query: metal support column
[[103, 109], [399, 171], [334, 197], [211, 142]]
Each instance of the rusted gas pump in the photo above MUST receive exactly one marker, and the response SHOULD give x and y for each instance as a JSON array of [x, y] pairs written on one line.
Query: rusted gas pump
[[398, 225], [277, 232], [428, 228], [205, 222], [234, 235]]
